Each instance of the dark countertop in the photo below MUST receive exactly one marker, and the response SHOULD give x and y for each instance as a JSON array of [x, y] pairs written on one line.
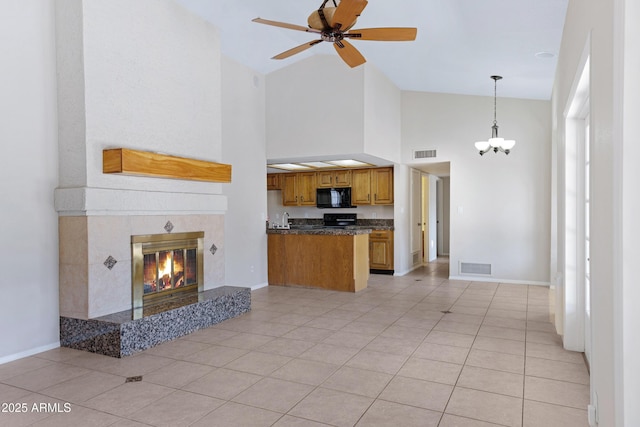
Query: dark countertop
[[323, 231], [316, 226]]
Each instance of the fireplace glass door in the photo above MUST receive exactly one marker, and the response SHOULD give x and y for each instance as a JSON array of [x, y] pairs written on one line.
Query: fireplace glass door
[[165, 265], [173, 269]]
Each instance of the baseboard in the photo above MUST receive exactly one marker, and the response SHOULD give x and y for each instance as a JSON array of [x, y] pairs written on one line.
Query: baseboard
[[405, 272], [497, 280], [27, 353], [259, 286], [253, 287]]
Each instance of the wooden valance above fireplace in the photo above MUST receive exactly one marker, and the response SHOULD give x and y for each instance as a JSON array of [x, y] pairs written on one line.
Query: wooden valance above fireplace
[[144, 163]]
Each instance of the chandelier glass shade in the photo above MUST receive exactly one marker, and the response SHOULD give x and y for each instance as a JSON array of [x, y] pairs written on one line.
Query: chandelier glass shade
[[495, 143]]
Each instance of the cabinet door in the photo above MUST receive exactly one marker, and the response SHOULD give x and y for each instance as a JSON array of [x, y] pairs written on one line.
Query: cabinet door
[[289, 184], [307, 186], [382, 186], [381, 250], [379, 254], [360, 187], [325, 179], [273, 181], [342, 178]]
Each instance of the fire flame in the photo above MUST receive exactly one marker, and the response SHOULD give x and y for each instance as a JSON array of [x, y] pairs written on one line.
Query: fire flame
[[165, 268]]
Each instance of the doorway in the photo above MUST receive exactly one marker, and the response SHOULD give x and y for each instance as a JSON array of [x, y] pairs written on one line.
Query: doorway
[[576, 297], [430, 217], [430, 188]]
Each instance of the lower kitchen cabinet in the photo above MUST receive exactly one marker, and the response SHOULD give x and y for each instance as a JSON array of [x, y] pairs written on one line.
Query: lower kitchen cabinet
[[381, 251]]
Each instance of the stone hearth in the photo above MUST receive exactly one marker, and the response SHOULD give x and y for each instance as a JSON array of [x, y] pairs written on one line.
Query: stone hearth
[[120, 335]]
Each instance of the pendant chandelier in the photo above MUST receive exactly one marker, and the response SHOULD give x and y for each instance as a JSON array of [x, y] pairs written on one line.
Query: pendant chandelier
[[495, 143]]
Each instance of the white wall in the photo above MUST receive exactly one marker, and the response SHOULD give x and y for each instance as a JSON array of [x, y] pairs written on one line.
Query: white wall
[[612, 41], [320, 108], [500, 204], [29, 242], [402, 259], [629, 296], [382, 116], [315, 108], [149, 84], [243, 146]]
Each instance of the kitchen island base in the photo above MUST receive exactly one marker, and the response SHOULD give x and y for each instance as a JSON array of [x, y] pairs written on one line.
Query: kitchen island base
[[336, 262]]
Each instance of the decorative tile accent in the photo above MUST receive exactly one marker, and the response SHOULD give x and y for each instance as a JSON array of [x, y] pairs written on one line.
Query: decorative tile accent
[[168, 226], [110, 262], [213, 249]]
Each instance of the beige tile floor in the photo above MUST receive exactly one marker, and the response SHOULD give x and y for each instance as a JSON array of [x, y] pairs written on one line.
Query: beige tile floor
[[386, 356]]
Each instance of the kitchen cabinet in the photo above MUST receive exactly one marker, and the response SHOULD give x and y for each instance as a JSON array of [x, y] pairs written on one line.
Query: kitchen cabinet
[[361, 187], [273, 181], [381, 251], [372, 186], [299, 189], [334, 178], [382, 186]]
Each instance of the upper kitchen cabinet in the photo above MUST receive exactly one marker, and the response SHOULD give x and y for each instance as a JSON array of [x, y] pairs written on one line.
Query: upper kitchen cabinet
[[299, 189], [372, 186], [382, 186], [334, 178], [361, 187], [273, 181]]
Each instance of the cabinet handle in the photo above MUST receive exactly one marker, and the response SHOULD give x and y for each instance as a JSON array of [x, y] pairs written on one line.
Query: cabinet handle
[[367, 197], [302, 198]]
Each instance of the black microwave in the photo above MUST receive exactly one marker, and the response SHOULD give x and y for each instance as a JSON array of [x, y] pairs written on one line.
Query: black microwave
[[334, 197]]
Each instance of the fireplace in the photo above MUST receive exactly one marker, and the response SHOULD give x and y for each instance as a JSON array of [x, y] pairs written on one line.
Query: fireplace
[[131, 307], [165, 267]]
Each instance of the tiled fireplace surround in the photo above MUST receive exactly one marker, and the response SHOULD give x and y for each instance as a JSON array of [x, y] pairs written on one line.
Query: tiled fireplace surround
[[95, 283]]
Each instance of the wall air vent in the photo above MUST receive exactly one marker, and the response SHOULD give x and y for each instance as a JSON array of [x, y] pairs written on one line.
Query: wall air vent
[[475, 268], [417, 257], [424, 154]]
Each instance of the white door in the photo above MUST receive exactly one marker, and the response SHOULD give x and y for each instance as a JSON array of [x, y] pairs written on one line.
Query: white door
[[431, 222], [586, 255], [416, 213]]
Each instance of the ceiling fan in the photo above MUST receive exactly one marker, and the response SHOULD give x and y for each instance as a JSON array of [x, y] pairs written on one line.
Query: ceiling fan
[[334, 25]]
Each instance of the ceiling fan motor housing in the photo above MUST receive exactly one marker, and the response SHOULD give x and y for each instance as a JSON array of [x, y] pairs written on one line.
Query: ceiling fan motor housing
[[316, 22]]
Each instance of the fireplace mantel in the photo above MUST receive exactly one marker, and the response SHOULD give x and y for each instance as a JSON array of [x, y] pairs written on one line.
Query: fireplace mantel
[[144, 163]]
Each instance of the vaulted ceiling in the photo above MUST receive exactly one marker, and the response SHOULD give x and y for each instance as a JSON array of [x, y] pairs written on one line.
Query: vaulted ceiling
[[460, 43]]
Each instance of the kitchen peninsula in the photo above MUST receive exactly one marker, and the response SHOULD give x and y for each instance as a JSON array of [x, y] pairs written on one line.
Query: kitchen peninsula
[[321, 257]]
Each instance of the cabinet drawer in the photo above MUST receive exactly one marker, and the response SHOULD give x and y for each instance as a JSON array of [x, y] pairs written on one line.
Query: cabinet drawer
[[380, 234]]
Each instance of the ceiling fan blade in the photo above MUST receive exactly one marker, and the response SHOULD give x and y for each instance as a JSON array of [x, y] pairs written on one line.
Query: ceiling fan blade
[[349, 53], [296, 49], [284, 25], [347, 13], [384, 34]]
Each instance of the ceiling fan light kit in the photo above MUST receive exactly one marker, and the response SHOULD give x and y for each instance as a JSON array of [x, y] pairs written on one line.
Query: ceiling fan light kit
[[333, 24], [495, 143]]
